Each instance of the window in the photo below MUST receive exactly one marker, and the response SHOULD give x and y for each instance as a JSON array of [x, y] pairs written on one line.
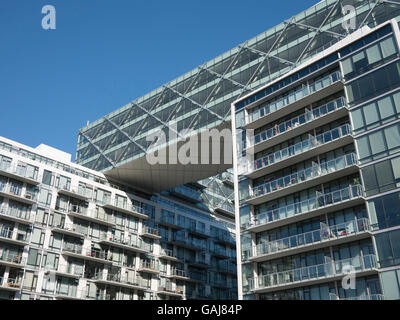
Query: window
[[45, 197], [48, 178], [34, 257], [379, 144]]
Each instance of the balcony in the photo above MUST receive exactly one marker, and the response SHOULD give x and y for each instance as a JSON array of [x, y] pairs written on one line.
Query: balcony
[[149, 267], [198, 231], [325, 236], [74, 192], [12, 260], [121, 281], [201, 263], [187, 194], [307, 276], [151, 233], [15, 193], [320, 204], [369, 297], [169, 221], [77, 251], [69, 229], [91, 215], [226, 209], [19, 173], [168, 255], [325, 142], [68, 293], [296, 100], [115, 205], [299, 125], [126, 243], [226, 238], [69, 270], [10, 284], [16, 215], [169, 291], [226, 267], [305, 179], [186, 242], [9, 236], [179, 274], [219, 252]]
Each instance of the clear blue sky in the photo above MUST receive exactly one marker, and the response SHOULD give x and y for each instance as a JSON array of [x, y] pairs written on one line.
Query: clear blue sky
[[104, 54]]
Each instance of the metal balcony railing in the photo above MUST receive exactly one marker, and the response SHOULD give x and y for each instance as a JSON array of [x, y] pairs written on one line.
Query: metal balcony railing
[[151, 231], [326, 270], [321, 200], [301, 147], [302, 176], [295, 95], [298, 121], [152, 265], [326, 233]]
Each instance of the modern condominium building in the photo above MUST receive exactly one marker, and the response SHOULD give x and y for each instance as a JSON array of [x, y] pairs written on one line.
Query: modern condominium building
[[66, 232], [317, 173]]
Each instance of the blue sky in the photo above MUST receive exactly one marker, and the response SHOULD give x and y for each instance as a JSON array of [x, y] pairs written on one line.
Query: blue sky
[[104, 54]]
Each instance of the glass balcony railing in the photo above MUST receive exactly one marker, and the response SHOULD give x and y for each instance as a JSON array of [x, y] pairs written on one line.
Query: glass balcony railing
[[116, 203], [71, 269], [17, 191], [371, 297], [9, 233], [73, 248], [179, 273], [167, 253], [298, 121], [150, 231], [132, 242], [20, 171], [188, 193], [16, 258], [320, 200], [301, 176], [152, 265], [326, 270], [226, 207], [93, 214], [301, 147], [15, 213], [11, 283], [326, 233], [295, 95]]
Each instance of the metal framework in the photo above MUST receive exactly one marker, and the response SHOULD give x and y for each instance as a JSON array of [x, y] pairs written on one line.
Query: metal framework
[[203, 96]]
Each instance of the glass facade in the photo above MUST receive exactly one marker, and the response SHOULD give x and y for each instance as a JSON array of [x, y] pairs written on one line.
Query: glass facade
[[318, 181]]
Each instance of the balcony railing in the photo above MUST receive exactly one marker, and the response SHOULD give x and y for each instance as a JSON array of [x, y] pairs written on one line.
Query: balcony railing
[[17, 192], [295, 95], [85, 252], [137, 243], [301, 176], [16, 213], [70, 269], [150, 231], [326, 233], [11, 283], [152, 265], [179, 273], [361, 297], [326, 270], [187, 193], [319, 201], [19, 171], [304, 118], [124, 206], [10, 234], [301, 147], [12, 257], [93, 214]]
